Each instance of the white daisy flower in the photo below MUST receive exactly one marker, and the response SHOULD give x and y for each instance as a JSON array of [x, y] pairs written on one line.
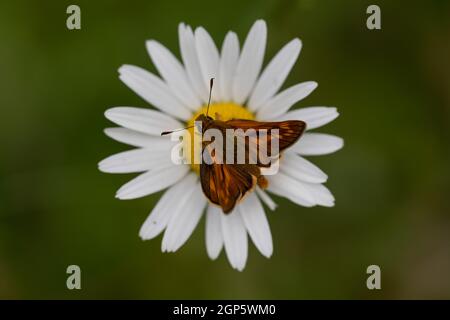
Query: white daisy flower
[[242, 91]]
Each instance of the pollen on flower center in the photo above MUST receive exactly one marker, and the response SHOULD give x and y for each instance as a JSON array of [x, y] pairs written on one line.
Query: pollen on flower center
[[226, 111]]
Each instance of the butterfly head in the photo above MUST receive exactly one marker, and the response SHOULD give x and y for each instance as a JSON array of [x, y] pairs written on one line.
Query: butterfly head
[[203, 121], [204, 118]]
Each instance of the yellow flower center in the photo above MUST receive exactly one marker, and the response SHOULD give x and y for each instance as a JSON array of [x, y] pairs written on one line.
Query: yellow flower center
[[226, 111]]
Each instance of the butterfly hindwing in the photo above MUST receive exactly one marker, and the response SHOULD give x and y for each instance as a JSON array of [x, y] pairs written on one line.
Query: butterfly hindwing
[[225, 184]]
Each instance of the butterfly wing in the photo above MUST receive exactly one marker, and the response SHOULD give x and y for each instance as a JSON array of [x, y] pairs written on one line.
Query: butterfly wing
[[288, 131], [260, 137], [226, 184]]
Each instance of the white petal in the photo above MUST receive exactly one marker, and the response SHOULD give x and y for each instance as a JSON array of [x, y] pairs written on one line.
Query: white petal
[[227, 66], [184, 221], [152, 181], [281, 103], [313, 116], [255, 221], [142, 120], [250, 62], [274, 74], [301, 169], [170, 203], [266, 198], [214, 238], [153, 90], [290, 188], [191, 63], [314, 144], [173, 72], [321, 194], [208, 55], [137, 160], [136, 139], [235, 239]]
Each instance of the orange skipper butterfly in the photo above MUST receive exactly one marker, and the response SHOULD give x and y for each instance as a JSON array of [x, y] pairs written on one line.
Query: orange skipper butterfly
[[224, 182]]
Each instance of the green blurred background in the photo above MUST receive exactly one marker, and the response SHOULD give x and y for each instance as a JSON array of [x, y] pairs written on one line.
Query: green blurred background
[[391, 180]]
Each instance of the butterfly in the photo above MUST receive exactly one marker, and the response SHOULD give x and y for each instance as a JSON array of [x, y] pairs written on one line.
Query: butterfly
[[225, 183]]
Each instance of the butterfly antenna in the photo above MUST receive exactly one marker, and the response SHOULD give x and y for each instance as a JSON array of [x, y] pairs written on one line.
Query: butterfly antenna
[[169, 132], [211, 82]]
